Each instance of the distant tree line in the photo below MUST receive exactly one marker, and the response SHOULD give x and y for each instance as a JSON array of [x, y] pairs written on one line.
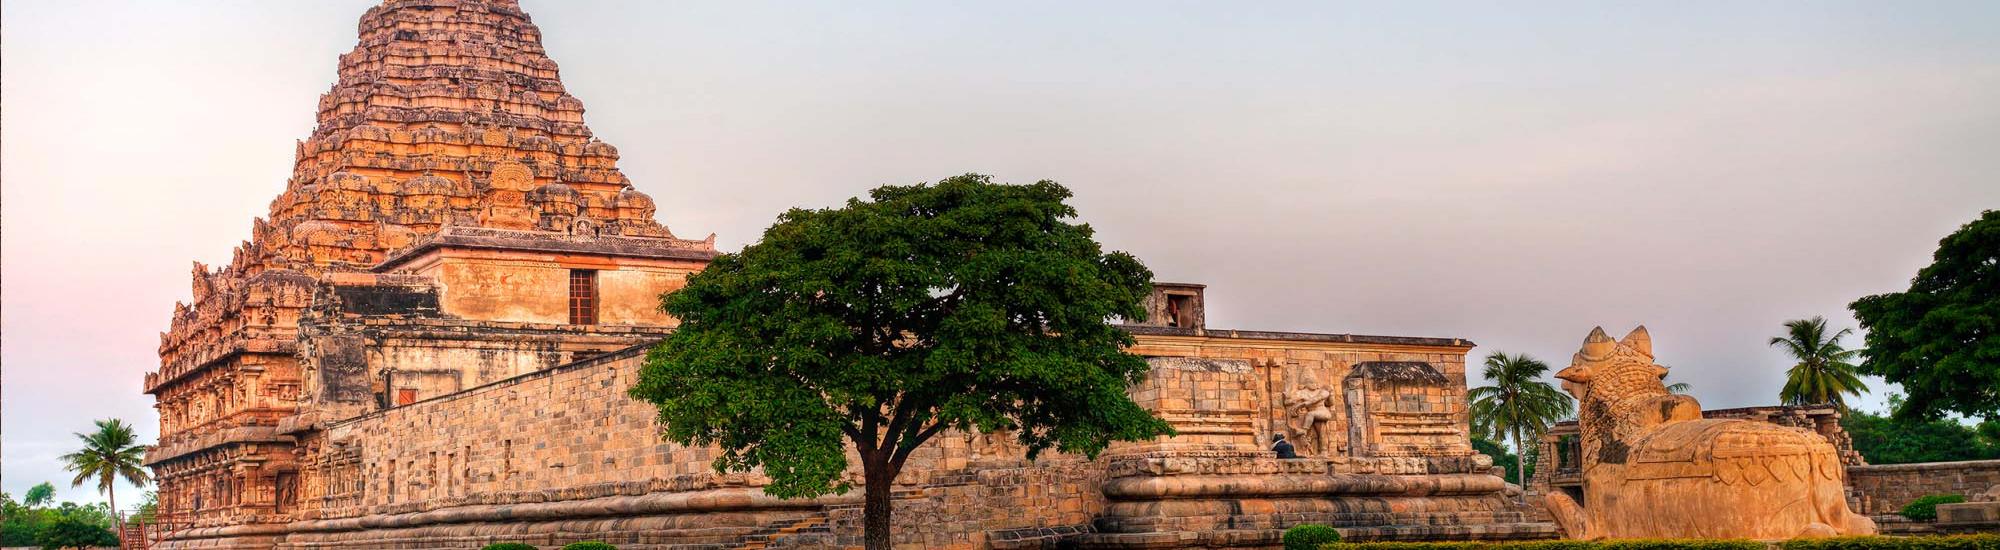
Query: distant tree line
[[35, 522]]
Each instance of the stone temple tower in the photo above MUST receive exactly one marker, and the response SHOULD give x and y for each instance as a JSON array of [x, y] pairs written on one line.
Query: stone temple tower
[[448, 131]]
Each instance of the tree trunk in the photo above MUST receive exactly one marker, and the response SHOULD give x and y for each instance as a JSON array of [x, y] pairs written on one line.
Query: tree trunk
[[1521, 464], [111, 493], [878, 476]]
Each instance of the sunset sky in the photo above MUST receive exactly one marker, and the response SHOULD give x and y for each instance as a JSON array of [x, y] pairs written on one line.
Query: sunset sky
[[1511, 173]]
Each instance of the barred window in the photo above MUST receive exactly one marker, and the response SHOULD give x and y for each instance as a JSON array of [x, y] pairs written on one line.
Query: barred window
[[582, 297]]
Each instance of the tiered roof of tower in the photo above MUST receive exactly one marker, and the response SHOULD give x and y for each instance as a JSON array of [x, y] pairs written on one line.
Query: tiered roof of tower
[[447, 113]]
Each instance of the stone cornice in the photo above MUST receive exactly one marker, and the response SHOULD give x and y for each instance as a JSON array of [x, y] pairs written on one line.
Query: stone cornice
[[1291, 337]]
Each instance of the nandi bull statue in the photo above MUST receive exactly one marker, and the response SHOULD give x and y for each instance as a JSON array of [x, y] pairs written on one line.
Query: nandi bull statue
[[1653, 467]]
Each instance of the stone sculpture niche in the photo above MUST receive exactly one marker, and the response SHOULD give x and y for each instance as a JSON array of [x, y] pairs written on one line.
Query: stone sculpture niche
[[1309, 416], [1403, 409], [1653, 467]]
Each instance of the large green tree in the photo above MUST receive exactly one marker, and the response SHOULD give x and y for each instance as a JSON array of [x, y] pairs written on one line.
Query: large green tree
[[1941, 339], [1824, 372], [108, 454], [1518, 403], [962, 305]]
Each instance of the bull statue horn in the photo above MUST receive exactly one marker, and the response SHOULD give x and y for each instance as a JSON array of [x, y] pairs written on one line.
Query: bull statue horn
[[1639, 340], [1598, 346]]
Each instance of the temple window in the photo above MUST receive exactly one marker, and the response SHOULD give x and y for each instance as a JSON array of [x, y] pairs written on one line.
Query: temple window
[[1177, 306], [582, 297]]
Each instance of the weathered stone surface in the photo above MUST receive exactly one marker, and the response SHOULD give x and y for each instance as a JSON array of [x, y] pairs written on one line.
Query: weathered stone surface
[[428, 346], [1653, 467], [447, 117], [1886, 488]]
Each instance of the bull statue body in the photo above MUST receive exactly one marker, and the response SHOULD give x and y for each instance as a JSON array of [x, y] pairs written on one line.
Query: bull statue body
[[1653, 467]]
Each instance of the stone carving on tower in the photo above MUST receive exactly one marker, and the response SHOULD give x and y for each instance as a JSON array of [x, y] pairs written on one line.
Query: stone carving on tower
[[1653, 467]]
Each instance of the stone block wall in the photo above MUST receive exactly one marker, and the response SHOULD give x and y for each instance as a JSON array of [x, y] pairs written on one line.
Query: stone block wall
[[1202, 375], [1885, 489], [563, 455], [566, 427]]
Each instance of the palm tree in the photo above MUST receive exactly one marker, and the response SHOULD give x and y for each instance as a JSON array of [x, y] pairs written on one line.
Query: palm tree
[[1677, 387], [1518, 402], [1824, 373], [108, 454]]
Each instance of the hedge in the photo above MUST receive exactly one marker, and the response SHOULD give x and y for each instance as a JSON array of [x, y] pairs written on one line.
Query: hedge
[[1309, 536], [1620, 544], [1951, 542], [1945, 542]]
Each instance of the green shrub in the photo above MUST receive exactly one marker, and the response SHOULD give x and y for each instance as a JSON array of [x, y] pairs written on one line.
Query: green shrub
[[1309, 536], [74, 532], [509, 546], [1951, 542], [1621, 544], [588, 545], [1679, 544], [1924, 508]]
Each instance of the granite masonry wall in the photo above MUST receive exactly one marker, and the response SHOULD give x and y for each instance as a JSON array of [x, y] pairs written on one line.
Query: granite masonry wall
[[563, 455], [1884, 489]]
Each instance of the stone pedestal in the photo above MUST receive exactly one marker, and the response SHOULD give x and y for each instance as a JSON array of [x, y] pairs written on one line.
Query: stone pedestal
[[1233, 499], [1969, 517]]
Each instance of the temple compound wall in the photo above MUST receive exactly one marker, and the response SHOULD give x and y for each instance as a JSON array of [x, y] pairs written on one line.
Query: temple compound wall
[[1886, 488]]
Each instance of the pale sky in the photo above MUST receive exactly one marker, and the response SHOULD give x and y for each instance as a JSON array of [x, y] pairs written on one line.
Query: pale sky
[[1512, 173]]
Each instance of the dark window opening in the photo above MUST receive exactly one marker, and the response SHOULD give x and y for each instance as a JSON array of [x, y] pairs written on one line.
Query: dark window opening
[[1177, 310], [582, 297]]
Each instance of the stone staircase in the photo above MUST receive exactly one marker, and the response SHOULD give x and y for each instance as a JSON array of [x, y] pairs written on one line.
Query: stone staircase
[[134, 536], [814, 526]]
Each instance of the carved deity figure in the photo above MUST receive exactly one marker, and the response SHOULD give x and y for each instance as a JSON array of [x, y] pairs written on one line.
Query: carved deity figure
[[1308, 415], [1653, 467]]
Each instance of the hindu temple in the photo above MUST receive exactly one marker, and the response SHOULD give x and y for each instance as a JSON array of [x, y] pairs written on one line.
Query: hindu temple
[[426, 343]]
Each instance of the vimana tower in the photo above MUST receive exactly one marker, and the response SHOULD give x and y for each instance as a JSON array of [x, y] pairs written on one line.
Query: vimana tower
[[426, 344]]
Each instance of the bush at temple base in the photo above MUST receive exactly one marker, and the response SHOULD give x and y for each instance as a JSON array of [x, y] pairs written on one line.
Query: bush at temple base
[[74, 532], [1309, 536], [1951, 542], [1621, 544], [510, 546], [1924, 508], [589, 545]]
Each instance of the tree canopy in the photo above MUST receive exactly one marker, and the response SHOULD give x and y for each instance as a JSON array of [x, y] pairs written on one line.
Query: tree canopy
[[42, 494], [1941, 339], [68, 531], [1885, 440], [962, 305]]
